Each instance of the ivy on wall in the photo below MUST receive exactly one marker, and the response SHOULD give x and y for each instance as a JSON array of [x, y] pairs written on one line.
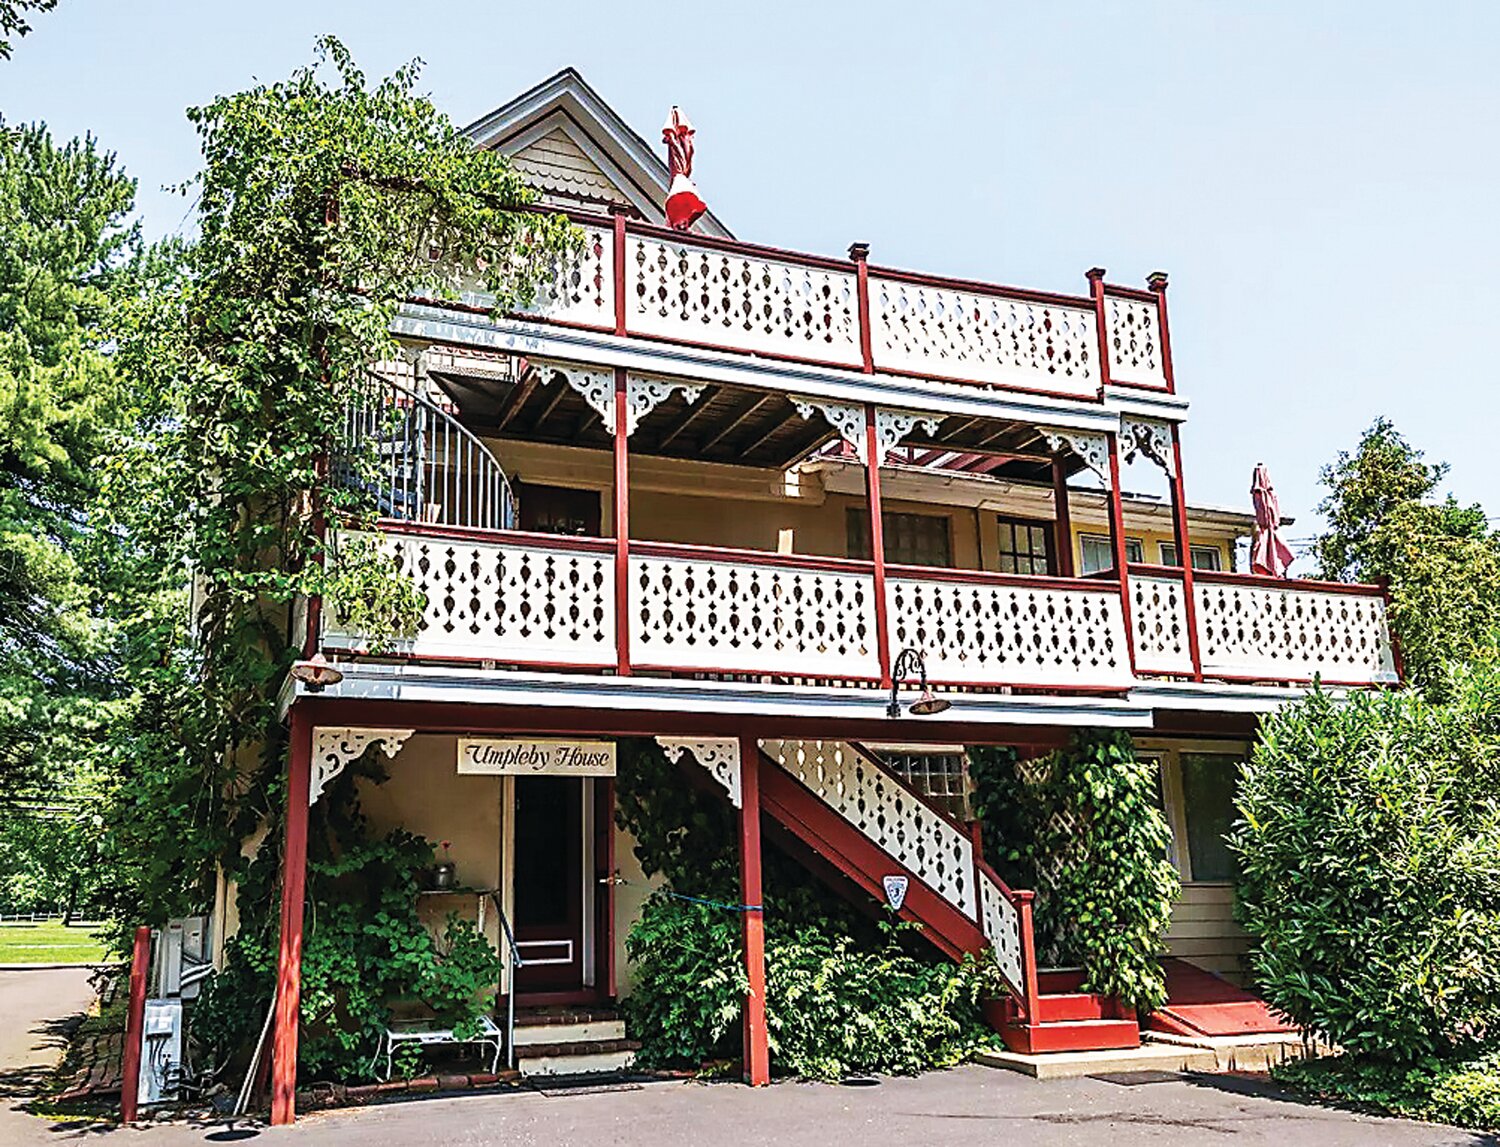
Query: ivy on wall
[[1083, 829]]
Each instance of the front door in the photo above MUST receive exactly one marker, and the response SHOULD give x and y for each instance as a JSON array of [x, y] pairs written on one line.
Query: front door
[[549, 842]]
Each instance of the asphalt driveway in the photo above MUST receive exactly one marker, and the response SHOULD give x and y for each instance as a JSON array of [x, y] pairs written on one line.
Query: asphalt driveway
[[969, 1105]]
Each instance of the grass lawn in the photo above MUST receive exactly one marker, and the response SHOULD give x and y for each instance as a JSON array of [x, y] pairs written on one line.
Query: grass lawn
[[48, 943]]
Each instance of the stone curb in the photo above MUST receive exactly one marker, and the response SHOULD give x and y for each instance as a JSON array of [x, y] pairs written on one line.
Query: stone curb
[[51, 967]]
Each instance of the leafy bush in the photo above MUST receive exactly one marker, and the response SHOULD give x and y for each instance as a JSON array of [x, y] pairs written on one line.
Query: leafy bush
[[1462, 1090], [1082, 828], [833, 1007], [1369, 844], [364, 946]]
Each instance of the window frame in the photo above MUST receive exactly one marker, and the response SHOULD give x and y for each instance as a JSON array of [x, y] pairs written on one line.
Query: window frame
[[1049, 540], [861, 516], [1168, 754], [1138, 559], [1195, 550]]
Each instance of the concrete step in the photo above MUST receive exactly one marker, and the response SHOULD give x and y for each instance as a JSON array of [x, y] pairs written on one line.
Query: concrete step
[[576, 1057], [585, 1031], [1071, 1065]]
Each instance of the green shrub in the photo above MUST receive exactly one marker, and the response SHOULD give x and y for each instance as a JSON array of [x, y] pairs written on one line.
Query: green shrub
[[1081, 827], [1369, 845], [1463, 1089], [834, 1007]]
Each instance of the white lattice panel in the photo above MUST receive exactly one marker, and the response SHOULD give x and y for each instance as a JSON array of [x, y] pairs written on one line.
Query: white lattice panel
[[693, 613], [924, 329], [1158, 611], [504, 602], [1135, 353], [1001, 924], [993, 633], [581, 289], [910, 832], [1293, 633], [683, 291]]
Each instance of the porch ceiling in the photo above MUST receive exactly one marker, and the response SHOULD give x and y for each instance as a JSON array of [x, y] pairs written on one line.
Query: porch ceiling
[[731, 425]]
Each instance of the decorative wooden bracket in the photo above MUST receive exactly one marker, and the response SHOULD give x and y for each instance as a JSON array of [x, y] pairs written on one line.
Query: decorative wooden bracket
[[720, 757], [335, 746]]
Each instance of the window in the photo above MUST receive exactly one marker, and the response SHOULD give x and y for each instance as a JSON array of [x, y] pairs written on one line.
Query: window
[[1098, 554], [1208, 784], [1025, 547], [940, 775], [910, 539], [1204, 557]]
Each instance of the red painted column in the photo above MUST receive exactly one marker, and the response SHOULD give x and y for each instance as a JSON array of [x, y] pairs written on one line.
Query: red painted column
[[135, 1022], [1062, 515], [619, 259], [1028, 955], [1185, 556], [1117, 540], [860, 254], [1095, 277], [757, 1048], [877, 545], [1157, 281], [293, 891], [622, 521]]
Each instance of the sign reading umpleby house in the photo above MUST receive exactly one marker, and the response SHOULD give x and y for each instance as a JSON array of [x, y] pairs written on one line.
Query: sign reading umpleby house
[[529, 757]]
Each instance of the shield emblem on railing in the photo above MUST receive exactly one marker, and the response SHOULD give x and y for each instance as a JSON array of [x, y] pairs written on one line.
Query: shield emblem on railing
[[895, 891]]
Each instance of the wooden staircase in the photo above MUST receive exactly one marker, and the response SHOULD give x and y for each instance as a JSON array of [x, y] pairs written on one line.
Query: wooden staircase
[[844, 805]]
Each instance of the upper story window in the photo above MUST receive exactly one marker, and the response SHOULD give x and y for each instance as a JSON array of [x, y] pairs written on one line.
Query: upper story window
[[1096, 552], [910, 539], [1204, 557], [1025, 547]]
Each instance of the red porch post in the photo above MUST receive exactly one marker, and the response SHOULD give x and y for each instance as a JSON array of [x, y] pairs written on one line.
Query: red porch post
[[1185, 556], [1117, 541], [622, 518], [877, 543], [756, 1046], [1062, 516], [135, 1022], [293, 889]]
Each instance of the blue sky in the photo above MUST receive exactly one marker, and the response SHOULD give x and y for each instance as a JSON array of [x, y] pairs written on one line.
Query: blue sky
[[1319, 179]]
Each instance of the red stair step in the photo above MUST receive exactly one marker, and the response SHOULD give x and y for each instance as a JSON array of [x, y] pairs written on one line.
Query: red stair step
[[1073, 1006], [1073, 1035]]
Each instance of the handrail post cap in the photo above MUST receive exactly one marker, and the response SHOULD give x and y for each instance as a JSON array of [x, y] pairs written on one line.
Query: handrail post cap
[[859, 252]]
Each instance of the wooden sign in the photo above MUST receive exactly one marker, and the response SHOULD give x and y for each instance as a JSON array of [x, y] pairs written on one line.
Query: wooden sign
[[528, 757]]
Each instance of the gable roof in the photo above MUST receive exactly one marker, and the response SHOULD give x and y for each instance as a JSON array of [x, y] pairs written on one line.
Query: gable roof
[[574, 147]]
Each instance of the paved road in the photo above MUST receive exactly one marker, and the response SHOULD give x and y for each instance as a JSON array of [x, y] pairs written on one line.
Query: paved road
[[968, 1106], [37, 1008]]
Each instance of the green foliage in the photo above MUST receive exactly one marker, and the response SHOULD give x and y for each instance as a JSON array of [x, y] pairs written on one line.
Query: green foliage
[[1463, 1089], [13, 19], [1082, 828], [360, 584], [323, 203], [834, 1006], [364, 946], [1369, 847], [1441, 559]]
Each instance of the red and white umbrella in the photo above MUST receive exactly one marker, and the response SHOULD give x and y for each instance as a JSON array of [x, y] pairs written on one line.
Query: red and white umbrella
[[1268, 553], [683, 204]]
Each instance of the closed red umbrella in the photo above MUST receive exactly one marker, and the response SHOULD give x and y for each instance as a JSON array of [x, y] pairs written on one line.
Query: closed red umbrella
[[1268, 553], [683, 204]]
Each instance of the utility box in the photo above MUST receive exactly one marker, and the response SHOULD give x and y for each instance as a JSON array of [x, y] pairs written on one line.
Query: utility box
[[161, 1051]]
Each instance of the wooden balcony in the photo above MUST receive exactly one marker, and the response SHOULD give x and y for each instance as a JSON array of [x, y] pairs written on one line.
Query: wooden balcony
[[594, 605], [644, 282]]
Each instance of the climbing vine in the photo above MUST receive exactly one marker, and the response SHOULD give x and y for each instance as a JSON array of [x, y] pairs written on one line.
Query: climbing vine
[[1082, 827]]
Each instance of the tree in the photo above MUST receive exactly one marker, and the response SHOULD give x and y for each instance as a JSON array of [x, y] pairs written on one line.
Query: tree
[[1440, 558], [324, 202], [13, 19], [65, 238]]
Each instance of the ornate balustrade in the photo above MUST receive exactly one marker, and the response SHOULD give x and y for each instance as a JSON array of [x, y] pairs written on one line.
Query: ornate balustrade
[[651, 282], [532, 599], [1256, 628], [995, 629]]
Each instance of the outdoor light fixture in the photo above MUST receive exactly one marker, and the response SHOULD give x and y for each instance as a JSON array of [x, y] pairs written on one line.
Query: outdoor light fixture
[[316, 672], [911, 661]]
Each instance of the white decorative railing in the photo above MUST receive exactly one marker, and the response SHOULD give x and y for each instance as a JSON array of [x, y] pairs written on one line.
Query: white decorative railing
[[696, 610], [582, 288], [692, 292], [1133, 329], [1011, 631], [908, 830], [921, 328], [1262, 630], [522, 601], [1158, 618]]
